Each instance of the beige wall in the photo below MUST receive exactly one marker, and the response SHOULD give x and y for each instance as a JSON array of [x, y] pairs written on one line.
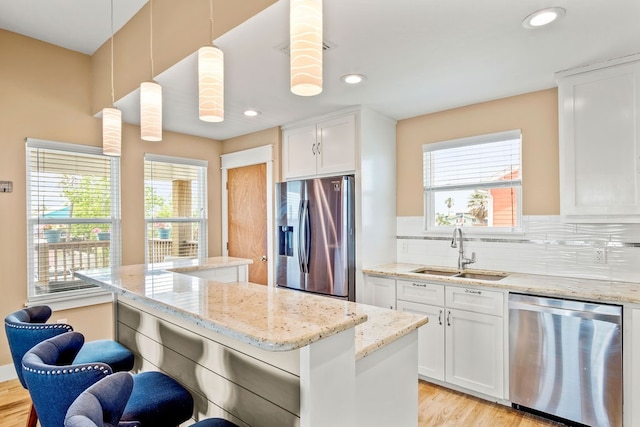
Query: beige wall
[[257, 139], [46, 94], [536, 114]]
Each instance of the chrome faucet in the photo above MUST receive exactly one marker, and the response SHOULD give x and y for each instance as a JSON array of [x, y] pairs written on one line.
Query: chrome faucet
[[462, 261]]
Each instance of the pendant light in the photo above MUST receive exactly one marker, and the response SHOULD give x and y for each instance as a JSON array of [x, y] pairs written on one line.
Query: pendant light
[[111, 116], [305, 40], [211, 79], [151, 98]]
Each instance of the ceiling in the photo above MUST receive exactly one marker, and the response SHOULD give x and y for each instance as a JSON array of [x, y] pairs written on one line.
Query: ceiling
[[419, 56]]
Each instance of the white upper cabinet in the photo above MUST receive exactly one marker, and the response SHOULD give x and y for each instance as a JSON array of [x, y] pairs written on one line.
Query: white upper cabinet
[[599, 119], [321, 149]]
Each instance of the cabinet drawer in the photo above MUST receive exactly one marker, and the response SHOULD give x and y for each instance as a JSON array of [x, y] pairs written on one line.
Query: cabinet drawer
[[475, 299], [421, 292]]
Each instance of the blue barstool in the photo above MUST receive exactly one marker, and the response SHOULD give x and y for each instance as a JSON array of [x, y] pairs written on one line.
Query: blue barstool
[[54, 382], [27, 327], [103, 404]]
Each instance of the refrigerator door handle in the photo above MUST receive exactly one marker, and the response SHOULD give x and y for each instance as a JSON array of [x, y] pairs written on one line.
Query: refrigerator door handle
[[307, 235], [301, 256]]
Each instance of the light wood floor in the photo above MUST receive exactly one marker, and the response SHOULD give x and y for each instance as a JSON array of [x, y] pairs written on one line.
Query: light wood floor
[[438, 407]]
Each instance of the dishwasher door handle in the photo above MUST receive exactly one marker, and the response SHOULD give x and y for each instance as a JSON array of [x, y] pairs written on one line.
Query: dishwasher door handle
[[591, 315]]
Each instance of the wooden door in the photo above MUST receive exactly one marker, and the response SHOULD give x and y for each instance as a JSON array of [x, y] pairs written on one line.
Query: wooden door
[[247, 213]]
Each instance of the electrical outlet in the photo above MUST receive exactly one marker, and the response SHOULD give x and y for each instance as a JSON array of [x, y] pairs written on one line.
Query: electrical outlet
[[61, 321], [404, 247], [599, 255], [6, 186]]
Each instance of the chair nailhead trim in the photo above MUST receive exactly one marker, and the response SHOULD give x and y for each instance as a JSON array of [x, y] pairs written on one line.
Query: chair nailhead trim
[[102, 369], [40, 326]]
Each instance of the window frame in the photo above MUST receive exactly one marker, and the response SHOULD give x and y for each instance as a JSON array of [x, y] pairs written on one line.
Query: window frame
[[203, 221], [429, 204], [60, 300]]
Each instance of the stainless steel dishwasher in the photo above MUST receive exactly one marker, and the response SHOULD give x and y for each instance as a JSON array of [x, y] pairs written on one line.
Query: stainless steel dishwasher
[[565, 359]]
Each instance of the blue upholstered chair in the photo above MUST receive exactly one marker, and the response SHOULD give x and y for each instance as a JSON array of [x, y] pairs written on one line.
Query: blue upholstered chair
[[27, 327], [102, 404], [54, 382]]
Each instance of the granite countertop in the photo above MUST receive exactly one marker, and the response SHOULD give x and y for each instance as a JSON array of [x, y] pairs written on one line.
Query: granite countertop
[[555, 286], [194, 264], [270, 318], [383, 327]]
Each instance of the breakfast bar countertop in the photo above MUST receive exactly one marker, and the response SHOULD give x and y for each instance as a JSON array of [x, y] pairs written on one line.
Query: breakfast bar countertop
[[558, 286], [270, 318]]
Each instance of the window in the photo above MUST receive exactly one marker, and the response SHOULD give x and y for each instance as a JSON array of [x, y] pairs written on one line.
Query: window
[[175, 193], [73, 216], [474, 182]]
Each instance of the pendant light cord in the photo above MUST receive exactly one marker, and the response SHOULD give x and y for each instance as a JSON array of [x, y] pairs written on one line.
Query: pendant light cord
[[113, 95], [211, 22], [151, 35]]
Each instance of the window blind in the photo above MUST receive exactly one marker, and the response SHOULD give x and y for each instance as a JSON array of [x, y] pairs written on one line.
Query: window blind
[[474, 181], [73, 215], [175, 208]]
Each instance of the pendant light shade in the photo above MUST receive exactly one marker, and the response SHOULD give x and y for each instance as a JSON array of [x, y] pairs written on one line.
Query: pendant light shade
[[151, 111], [111, 116], [211, 84], [111, 131], [305, 28]]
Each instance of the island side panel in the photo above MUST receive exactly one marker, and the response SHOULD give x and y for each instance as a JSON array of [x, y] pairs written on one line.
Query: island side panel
[[248, 385], [328, 381], [387, 385]]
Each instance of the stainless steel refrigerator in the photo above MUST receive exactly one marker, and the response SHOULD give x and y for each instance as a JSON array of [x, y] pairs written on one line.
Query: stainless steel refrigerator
[[316, 236]]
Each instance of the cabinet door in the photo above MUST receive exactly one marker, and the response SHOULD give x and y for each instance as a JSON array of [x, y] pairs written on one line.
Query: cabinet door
[[430, 339], [600, 144], [337, 145], [380, 292], [299, 152], [475, 352]]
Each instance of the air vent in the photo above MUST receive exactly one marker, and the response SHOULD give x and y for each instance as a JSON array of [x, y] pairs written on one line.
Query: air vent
[[285, 47]]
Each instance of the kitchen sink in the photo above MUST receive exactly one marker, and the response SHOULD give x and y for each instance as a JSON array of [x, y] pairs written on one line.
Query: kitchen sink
[[481, 276], [436, 272], [463, 275]]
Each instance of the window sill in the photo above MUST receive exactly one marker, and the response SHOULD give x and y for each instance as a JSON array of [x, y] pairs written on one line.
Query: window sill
[[70, 301]]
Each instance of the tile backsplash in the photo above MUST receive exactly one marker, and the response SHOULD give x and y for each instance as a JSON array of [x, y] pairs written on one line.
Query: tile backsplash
[[546, 246]]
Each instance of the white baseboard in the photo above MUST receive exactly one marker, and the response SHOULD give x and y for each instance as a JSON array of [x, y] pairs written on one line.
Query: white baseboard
[[7, 372]]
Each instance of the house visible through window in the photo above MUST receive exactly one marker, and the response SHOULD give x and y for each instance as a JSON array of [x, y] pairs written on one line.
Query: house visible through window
[[73, 216], [474, 182], [175, 208]]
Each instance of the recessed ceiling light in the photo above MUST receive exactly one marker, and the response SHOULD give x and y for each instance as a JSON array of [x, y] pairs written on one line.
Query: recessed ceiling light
[[251, 113], [353, 79], [543, 17]]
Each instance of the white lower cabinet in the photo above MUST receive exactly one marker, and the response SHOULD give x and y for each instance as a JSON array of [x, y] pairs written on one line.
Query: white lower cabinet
[[430, 338], [463, 343], [380, 291]]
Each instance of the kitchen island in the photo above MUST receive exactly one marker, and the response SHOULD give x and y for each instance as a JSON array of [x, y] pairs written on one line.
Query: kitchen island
[[264, 356]]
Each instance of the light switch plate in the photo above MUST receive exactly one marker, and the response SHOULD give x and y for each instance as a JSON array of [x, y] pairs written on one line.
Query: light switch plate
[[6, 186]]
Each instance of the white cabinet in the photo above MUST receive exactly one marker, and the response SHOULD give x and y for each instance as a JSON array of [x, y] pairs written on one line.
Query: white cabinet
[[463, 343], [380, 291], [599, 124], [320, 149], [430, 338]]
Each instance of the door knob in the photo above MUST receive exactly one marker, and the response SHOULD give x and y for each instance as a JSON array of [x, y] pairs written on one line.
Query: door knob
[[263, 258]]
